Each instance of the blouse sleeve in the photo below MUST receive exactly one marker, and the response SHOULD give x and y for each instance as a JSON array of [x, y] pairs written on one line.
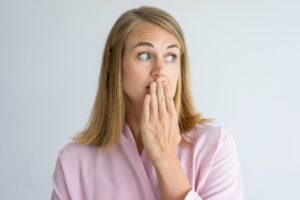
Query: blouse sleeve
[[224, 180], [60, 191]]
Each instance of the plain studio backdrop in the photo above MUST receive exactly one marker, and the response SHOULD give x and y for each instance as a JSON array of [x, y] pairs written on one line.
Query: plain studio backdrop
[[244, 58]]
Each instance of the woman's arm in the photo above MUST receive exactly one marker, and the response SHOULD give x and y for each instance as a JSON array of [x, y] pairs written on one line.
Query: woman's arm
[[224, 181], [60, 191], [172, 181], [160, 136]]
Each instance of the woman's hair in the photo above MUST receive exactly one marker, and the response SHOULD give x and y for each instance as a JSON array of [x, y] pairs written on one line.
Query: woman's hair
[[108, 114]]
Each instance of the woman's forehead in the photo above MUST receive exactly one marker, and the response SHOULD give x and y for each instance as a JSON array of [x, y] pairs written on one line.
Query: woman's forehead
[[146, 32]]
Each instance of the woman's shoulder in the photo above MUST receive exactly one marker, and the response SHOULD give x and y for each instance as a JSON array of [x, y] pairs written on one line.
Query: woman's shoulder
[[210, 136], [209, 131], [73, 151]]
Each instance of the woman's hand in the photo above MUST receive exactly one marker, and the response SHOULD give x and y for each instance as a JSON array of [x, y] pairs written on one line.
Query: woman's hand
[[159, 125]]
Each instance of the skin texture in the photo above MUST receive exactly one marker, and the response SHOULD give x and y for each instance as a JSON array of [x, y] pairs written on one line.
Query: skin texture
[[150, 71]]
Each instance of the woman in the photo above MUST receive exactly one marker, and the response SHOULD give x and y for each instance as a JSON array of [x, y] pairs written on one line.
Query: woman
[[145, 140]]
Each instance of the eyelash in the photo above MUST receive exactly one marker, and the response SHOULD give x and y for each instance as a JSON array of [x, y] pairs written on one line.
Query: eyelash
[[148, 54]]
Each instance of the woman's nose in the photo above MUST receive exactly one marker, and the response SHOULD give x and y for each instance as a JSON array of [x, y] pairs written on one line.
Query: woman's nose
[[158, 69]]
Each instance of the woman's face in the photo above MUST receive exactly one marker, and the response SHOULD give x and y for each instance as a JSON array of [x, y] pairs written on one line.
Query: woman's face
[[150, 53]]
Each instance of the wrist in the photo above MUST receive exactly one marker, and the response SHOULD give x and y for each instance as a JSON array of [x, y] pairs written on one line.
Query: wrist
[[166, 160]]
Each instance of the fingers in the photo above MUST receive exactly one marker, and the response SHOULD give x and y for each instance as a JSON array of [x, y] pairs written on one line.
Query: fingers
[[153, 101], [169, 98], [161, 100], [146, 109]]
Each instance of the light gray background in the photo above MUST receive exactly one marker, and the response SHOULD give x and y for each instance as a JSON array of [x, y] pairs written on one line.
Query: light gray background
[[244, 59]]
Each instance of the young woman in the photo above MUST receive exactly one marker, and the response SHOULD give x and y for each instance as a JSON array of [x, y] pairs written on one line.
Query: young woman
[[145, 140]]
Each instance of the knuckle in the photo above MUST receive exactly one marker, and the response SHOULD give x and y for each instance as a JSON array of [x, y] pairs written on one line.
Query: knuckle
[[161, 99], [153, 99]]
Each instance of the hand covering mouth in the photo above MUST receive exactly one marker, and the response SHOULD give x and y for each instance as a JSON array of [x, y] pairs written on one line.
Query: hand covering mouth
[[148, 87]]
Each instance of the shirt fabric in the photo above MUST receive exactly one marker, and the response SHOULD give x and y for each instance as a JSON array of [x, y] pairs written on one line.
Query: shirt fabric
[[86, 172]]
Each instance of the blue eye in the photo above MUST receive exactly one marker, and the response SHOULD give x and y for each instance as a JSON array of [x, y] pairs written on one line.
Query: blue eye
[[144, 56], [171, 58]]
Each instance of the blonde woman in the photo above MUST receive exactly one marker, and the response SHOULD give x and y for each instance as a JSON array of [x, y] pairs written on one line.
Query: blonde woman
[[145, 139]]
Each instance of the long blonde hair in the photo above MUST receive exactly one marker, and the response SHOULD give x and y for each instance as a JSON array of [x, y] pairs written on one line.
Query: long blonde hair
[[108, 114]]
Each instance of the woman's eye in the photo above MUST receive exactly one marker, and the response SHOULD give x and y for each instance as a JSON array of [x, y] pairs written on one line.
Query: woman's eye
[[171, 58], [144, 56]]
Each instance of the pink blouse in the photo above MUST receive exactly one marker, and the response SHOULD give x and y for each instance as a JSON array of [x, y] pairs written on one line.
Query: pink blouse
[[211, 164]]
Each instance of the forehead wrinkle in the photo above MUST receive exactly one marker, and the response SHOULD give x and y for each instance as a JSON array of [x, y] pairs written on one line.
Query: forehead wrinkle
[[153, 35]]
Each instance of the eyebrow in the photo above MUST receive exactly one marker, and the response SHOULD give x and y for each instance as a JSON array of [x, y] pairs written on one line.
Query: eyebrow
[[148, 44]]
